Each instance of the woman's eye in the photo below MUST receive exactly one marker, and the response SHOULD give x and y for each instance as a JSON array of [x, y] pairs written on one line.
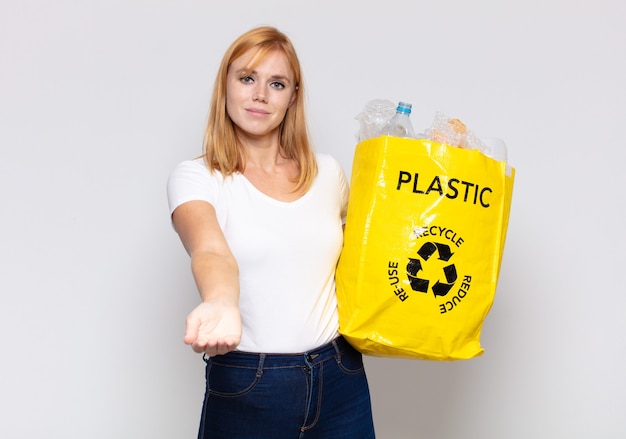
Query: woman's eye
[[247, 79], [278, 85]]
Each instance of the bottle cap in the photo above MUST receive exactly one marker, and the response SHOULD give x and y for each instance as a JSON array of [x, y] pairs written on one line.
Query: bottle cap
[[404, 107]]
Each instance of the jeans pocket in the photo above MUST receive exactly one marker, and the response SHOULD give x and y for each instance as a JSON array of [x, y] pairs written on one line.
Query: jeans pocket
[[231, 381], [350, 361]]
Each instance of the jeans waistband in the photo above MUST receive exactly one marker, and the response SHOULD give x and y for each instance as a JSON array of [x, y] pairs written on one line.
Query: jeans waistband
[[268, 361]]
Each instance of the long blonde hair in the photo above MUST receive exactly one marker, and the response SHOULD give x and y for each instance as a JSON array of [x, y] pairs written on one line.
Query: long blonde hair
[[221, 149]]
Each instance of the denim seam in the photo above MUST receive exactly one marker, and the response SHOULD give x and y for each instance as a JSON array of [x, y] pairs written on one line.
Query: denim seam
[[318, 408]]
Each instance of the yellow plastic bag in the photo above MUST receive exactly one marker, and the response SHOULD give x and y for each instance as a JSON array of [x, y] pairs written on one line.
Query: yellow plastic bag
[[423, 244]]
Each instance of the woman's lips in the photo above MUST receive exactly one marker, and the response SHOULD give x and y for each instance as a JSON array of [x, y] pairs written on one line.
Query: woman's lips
[[257, 112]]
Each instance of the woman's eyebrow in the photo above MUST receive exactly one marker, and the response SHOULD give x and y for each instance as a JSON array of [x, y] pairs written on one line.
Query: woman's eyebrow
[[254, 72], [280, 78]]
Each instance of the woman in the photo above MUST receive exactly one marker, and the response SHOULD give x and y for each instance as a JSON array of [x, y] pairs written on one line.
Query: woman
[[261, 217]]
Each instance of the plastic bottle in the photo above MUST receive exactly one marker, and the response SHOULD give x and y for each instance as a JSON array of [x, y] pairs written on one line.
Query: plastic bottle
[[400, 124], [373, 118]]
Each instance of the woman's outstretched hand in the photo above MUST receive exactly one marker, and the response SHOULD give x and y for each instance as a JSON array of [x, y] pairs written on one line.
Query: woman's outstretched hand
[[213, 328]]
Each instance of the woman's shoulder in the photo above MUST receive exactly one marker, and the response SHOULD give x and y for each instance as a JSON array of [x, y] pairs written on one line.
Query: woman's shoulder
[[192, 165], [332, 177], [192, 180], [329, 169], [326, 161], [195, 169]]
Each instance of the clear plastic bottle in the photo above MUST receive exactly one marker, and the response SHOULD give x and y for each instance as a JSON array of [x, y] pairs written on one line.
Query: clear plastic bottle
[[400, 124], [373, 118]]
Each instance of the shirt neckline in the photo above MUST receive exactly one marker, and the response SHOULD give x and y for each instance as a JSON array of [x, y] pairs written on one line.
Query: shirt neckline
[[262, 194]]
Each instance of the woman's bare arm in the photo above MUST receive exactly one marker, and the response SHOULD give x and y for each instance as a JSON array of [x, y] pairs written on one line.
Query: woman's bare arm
[[214, 327]]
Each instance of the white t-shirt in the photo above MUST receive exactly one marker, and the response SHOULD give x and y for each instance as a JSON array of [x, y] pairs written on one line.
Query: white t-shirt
[[287, 252]]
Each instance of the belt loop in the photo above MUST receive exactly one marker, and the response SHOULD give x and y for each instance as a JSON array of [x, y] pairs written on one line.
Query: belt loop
[[336, 346], [259, 370]]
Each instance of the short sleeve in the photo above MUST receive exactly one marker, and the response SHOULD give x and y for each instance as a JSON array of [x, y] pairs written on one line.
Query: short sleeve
[[339, 180], [345, 193], [191, 180]]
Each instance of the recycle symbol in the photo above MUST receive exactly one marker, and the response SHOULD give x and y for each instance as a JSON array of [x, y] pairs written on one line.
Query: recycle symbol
[[414, 267]]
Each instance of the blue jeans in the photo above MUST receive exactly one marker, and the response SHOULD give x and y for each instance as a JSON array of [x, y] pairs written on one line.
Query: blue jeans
[[318, 394]]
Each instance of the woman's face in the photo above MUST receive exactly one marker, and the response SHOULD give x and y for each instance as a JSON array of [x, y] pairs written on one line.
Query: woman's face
[[258, 100]]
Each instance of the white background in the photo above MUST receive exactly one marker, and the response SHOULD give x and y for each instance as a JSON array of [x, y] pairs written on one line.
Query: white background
[[99, 100]]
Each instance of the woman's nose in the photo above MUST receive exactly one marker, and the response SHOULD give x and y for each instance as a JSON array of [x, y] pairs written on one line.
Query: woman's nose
[[259, 94]]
